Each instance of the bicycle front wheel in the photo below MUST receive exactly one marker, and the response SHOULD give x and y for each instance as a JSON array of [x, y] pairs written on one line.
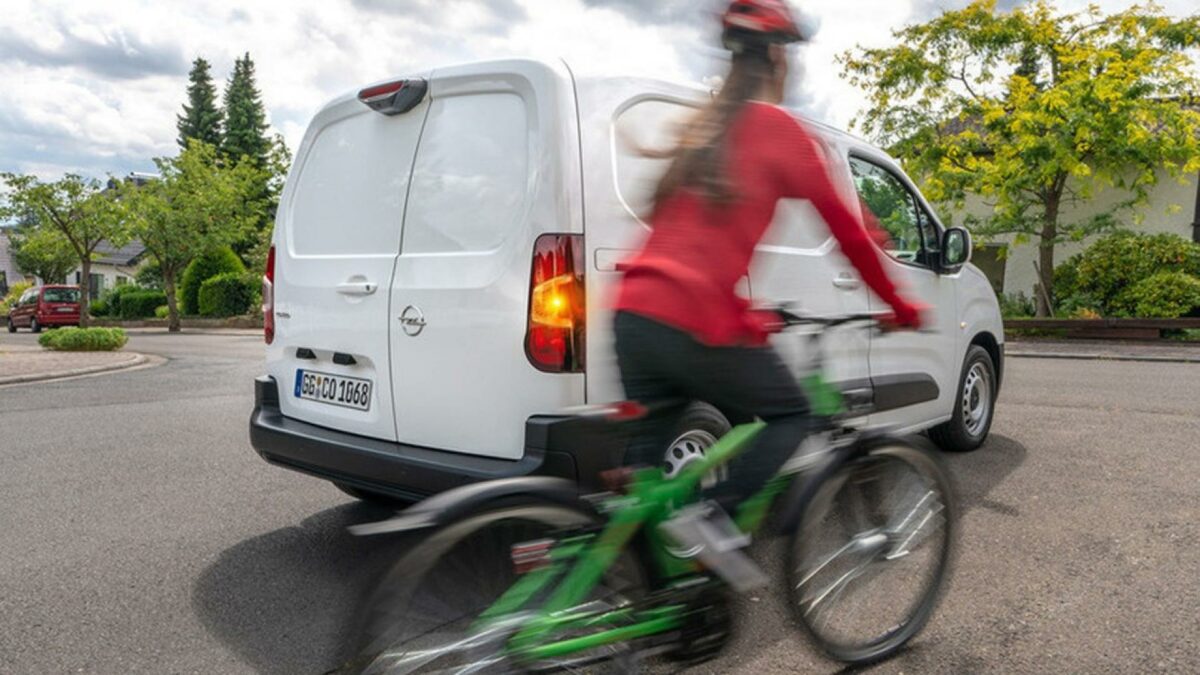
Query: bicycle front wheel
[[873, 551]]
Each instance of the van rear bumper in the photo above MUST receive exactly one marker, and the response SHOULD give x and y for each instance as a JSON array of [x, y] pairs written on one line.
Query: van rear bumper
[[554, 445]]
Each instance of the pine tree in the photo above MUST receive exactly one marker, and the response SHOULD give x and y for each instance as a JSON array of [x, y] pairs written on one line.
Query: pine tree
[[245, 118], [201, 118]]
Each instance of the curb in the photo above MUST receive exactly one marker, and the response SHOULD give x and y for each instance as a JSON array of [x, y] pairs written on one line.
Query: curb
[[1102, 357], [135, 360]]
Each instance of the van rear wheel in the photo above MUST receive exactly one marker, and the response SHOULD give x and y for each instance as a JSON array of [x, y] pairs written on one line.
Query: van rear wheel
[[12, 327], [34, 325], [698, 429]]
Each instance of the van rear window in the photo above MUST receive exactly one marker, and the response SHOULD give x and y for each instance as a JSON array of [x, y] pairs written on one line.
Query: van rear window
[[60, 295], [349, 197], [643, 129], [471, 180]]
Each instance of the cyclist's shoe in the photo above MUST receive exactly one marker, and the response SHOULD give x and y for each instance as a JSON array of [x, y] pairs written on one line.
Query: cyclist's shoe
[[707, 532]]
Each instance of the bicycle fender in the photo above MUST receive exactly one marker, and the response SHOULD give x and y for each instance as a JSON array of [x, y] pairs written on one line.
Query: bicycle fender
[[453, 505], [802, 491]]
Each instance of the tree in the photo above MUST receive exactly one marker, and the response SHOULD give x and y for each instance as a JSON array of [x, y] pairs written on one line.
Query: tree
[[245, 117], [43, 252], [1035, 111], [201, 118], [197, 204], [76, 208]]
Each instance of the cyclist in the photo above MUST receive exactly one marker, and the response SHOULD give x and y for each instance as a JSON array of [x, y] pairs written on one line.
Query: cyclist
[[681, 329]]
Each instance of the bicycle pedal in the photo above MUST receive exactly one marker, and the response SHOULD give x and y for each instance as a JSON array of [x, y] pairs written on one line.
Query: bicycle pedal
[[714, 539]]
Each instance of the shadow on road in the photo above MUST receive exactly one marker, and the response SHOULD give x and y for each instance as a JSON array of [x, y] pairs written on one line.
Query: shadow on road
[[977, 473], [283, 601]]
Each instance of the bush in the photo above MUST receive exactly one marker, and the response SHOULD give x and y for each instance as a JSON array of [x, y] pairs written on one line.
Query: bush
[[1166, 295], [1097, 278], [72, 339], [109, 303], [161, 312], [203, 268], [139, 304], [227, 295], [15, 291], [1016, 306]]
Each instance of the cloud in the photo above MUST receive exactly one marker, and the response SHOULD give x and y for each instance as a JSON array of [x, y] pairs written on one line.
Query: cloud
[[106, 52]]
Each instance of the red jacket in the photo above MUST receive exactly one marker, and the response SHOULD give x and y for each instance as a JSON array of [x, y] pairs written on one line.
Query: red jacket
[[697, 251]]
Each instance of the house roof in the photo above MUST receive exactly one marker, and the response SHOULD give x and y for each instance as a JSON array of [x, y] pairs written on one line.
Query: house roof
[[128, 254]]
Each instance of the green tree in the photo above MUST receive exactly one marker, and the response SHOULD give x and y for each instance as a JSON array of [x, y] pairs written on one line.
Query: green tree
[[202, 118], [197, 204], [1034, 110], [43, 252], [245, 118], [76, 208]]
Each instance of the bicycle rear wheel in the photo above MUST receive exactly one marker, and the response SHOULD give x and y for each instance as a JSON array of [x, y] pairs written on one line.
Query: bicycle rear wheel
[[423, 616], [872, 554]]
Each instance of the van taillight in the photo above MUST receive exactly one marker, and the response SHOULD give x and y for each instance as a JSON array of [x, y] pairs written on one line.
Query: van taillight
[[554, 340], [394, 98], [268, 297]]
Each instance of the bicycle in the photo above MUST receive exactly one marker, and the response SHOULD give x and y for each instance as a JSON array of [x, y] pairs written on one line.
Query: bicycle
[[855, 506]]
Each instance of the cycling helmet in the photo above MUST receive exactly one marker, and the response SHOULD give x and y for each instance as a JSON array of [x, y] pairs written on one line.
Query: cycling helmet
[[754, 24]]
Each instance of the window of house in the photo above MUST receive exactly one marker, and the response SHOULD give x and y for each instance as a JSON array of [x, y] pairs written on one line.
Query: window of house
[[913, 231], [122, 280]]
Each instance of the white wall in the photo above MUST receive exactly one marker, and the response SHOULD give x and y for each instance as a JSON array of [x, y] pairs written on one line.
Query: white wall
[[1019, 275]]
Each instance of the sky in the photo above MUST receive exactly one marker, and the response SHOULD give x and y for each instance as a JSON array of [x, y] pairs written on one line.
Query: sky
[[94, 88]]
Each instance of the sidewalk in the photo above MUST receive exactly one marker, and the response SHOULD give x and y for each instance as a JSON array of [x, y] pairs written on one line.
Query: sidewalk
[[23, 363], [1111, 350]]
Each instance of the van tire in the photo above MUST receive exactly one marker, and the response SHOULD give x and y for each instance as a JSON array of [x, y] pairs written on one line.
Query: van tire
[[34, 326], [960, 433], [698, 428], [12, 327], [371, 497]]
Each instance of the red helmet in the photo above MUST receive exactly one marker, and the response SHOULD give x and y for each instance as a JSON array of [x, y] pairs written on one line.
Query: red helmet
[[758, 23]]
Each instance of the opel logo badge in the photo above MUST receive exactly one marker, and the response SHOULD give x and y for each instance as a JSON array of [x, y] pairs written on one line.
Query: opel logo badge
[[412, 321]]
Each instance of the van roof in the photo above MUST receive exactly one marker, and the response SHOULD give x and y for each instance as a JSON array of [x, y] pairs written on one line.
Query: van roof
[[683, 86]]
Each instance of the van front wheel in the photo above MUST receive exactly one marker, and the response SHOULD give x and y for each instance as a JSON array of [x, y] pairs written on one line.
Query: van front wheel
[[974, 406]]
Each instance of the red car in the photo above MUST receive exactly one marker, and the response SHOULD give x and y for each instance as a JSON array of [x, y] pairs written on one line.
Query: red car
[[45, 306]]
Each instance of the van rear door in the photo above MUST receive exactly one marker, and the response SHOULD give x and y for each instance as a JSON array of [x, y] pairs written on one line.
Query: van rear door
[[337, 238], [497, 166]]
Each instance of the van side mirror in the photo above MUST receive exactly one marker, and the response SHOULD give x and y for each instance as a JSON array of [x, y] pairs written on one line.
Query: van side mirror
[[956, 249]]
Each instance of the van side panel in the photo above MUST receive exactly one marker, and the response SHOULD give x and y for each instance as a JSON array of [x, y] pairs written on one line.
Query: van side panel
[[617, 115]]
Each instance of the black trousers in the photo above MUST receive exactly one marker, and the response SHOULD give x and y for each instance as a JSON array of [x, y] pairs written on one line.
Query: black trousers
[[659, 362]]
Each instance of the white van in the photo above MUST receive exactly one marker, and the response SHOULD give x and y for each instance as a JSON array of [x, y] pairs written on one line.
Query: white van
[[445, 253]]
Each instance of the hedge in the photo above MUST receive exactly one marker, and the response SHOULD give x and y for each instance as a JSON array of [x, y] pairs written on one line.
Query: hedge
[[1102, 277], [72, 339], [110, 302], [1166, 295], [203, 268], [228, 294], [140, 304]]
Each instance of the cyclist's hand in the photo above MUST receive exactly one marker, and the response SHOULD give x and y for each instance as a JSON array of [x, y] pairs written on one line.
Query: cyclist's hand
[[905, 315]]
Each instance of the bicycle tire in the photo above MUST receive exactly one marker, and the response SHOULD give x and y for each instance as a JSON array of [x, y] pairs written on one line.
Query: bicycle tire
[[398, 615], [804, 591]]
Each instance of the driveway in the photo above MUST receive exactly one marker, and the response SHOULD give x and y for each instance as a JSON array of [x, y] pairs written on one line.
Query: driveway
[[140, 533]]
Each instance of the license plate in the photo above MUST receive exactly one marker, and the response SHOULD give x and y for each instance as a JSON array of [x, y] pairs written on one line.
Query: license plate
[[339, 390]]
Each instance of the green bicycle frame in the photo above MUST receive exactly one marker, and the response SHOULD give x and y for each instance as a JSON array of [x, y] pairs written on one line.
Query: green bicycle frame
[[577, 564]]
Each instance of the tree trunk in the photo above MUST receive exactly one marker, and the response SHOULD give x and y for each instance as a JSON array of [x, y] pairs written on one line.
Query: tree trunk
[[172, 304], [85, 287], [1046, 257]]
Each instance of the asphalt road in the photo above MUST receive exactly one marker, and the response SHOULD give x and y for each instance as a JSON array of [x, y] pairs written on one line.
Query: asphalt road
[[140, 533]]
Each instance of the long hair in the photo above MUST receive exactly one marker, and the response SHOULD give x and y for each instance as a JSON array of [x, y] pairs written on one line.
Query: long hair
[[700, 159]]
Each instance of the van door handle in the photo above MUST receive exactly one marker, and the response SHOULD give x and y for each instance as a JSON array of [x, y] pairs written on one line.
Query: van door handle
[[846, 282], [357, 288]]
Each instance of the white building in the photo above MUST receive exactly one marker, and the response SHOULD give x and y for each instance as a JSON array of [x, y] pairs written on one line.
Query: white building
[[112, 267]]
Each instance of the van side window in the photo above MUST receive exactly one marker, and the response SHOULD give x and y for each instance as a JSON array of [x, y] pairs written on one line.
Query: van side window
[[471, 181], [643, 130], [913, 232]]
